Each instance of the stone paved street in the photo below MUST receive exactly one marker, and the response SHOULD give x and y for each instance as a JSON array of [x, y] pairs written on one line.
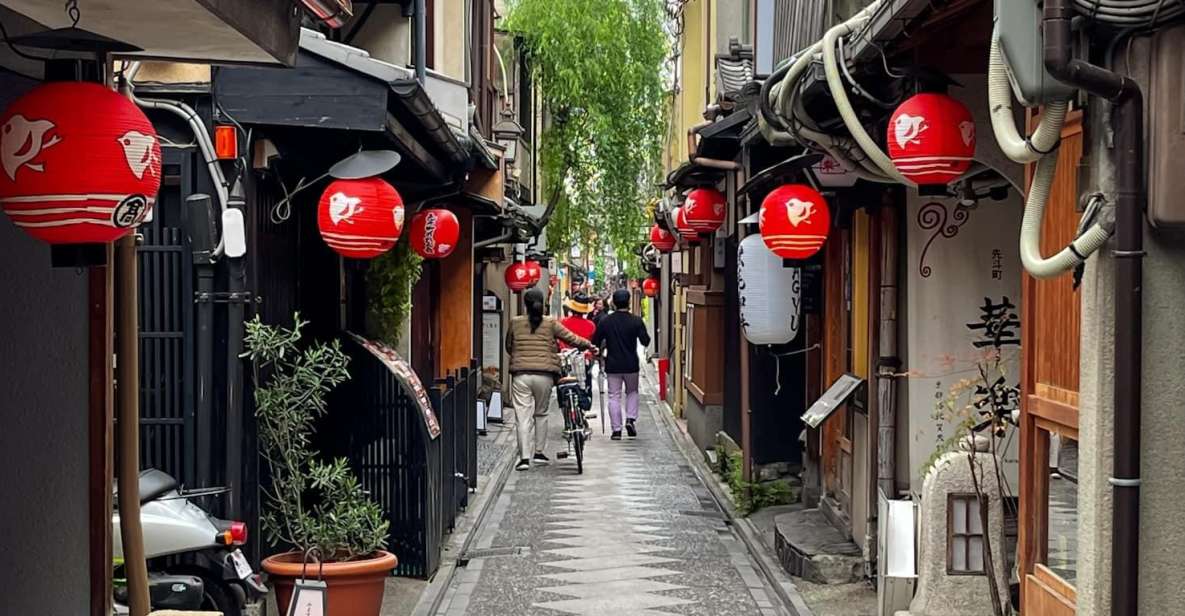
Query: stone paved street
[[636, 535]]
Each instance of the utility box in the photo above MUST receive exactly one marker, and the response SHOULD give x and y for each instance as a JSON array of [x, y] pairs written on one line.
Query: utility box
[[1166, 128], [1018, 25], [897, 574]]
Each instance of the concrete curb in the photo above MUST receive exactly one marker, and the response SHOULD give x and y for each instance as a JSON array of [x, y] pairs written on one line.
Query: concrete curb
[[434, 594], [783, 586]]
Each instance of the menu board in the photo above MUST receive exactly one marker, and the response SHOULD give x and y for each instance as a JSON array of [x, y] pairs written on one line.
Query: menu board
[[835, 397], [407, 377]]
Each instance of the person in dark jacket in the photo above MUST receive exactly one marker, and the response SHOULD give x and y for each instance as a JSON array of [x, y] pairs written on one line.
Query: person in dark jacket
[[619, 334], [533, 344]]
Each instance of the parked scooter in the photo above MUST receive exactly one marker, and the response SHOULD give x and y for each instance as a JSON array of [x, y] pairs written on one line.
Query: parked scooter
[[207, 570]]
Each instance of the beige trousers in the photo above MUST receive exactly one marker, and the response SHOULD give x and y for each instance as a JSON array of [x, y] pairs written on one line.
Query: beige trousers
[[532, 399]]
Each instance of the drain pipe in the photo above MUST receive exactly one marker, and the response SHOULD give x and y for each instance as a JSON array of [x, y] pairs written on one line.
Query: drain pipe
[[1128, 110]]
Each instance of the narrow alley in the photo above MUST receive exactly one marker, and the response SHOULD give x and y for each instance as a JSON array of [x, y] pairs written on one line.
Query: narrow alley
[[637, 534]]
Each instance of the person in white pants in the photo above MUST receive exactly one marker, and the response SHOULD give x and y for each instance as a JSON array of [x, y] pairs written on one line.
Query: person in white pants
[[532, 342]]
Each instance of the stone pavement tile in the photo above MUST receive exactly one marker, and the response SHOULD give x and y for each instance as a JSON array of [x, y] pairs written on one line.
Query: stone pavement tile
[[610, 575], [608, 562], [613, 587], [612, 604], [606, 549]]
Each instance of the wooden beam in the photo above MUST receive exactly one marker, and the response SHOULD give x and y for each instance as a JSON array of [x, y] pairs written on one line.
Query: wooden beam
[[412, 148], [100, 429]]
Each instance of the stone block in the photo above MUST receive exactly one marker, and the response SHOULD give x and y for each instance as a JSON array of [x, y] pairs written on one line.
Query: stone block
[[809, 547]]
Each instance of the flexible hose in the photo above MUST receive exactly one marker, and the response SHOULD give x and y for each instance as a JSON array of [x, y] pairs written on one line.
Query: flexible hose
[[1030, 230], [1131, 12], [1049, 131], [846, 111]]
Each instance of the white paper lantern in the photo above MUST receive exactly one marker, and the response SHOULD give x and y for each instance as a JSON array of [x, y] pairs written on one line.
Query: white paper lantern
[[771, 298]]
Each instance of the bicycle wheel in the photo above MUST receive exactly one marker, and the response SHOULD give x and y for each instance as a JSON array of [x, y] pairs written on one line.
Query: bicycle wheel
[[578, 445]]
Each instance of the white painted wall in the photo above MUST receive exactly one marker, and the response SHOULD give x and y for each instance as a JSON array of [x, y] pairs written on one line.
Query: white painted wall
[[978, 260]]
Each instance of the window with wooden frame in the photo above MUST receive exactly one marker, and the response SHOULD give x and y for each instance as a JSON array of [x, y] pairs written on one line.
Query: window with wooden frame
[[965, 515]]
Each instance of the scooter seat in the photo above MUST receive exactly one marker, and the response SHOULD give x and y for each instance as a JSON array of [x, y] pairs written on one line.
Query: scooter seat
[[153, 484]]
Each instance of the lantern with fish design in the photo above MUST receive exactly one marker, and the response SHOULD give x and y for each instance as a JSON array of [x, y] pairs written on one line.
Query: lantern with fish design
[[662, 239], [434, 233], [794, 221], [689, 235], [705, 209], [518, 276], [80, 163], [932, 139], [650, 286], [360, 219]]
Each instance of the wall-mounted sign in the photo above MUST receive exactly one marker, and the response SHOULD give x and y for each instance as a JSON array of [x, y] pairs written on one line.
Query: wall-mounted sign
[[840, 392], [407, 377]]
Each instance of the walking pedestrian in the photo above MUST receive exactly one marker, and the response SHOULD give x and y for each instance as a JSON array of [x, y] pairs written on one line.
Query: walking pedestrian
[[619, 333], [533, 344]]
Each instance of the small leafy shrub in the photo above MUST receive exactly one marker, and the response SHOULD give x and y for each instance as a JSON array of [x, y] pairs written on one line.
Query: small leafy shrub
[[311, 503], [750, 496]]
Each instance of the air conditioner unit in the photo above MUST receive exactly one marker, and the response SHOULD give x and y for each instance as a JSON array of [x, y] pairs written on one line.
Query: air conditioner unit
[[897, 573], [1018, 24]]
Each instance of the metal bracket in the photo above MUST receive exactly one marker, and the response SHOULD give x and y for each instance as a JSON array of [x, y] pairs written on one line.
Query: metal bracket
[[240, 297], [1124, 483]]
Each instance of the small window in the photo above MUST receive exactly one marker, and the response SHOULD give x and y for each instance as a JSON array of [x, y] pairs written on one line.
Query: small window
[[964, 530]]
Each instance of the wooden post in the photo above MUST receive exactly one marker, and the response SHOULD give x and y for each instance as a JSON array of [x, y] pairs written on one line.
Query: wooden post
[[128, 383], [887, 362]]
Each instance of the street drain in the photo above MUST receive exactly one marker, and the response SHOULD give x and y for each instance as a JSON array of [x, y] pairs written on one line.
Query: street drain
[[491, 553], [719, 515]]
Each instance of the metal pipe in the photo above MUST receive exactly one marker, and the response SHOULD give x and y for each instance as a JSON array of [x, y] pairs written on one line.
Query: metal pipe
[[421, 58], [1128, 110], [235, 308], [888, 363], [128, 378]]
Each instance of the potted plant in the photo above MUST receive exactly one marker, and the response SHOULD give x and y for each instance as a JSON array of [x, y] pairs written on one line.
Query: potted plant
[[316, 506]]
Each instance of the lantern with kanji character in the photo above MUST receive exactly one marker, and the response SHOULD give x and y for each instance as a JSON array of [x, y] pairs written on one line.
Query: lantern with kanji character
[[705, 209], [360, 219], [932, 139], [650, 287], [518, 277], [434, 233], [770, 292], [685, 231], [794, 221], [662, 239], [81, 163]]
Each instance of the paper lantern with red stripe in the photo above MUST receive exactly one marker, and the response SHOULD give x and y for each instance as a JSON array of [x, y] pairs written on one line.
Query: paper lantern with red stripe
[[360, 219], [932, 139], [794, 221], [662, 239], [518, 276], [79, 163], [705, 209], [650, 287], [685, 231], [434, 233]]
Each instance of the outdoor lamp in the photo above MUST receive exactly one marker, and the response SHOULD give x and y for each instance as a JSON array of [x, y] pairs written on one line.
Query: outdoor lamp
[[506, 134]]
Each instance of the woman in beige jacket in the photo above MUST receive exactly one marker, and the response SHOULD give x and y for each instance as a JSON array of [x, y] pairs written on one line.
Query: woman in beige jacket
[[532, 344]]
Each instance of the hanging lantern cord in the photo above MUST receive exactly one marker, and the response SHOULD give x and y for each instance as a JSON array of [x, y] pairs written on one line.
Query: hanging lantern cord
[[73, 11], [778, 364], [282, 210]]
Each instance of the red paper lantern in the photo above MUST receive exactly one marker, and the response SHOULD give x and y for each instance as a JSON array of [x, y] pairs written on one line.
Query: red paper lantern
[[79, 163], [518, 276], [662, 239], [932, 139], [685, 231], [650, 287], [360, 219], [434, 233], [705, 209], [535, 270], [794, 221]]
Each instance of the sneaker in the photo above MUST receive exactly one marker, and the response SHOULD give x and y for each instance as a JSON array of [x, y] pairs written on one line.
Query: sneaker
[[629, 428], [541, 458], [616, 436], [522, 465]]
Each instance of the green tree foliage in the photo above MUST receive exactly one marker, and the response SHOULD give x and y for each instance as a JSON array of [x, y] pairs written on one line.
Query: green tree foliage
[[599, 66]]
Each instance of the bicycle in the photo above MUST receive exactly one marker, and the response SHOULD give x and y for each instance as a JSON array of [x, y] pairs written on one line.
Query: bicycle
[[574, 401]]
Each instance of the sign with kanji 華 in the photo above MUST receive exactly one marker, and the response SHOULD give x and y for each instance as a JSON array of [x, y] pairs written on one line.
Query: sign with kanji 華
[[407, 377]]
